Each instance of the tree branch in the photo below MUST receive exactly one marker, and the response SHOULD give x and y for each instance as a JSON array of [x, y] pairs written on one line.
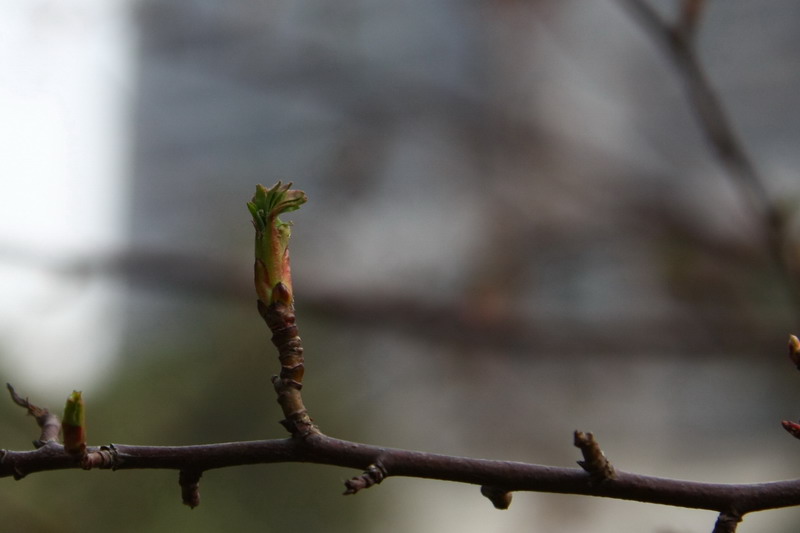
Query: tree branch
[[511, 476]]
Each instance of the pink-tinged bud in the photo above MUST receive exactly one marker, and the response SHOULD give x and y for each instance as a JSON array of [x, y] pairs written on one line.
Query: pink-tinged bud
[[794, 350], [272, 239], [792, 428], [73, 425]]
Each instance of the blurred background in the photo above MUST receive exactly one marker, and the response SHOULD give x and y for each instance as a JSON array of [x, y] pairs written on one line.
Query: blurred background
[[515, 230]]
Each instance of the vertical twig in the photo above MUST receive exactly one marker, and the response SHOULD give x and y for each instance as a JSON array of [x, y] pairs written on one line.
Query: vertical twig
[[273, 283], [281, 321]]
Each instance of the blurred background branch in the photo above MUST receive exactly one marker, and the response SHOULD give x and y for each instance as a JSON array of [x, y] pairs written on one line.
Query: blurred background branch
[[678, 41]]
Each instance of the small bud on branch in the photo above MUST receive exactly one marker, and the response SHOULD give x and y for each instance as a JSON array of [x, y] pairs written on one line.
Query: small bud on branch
[[792, 427], [73, 425], [373, 475], [189, 481], [500, 498], [272, 240], [594, 460]]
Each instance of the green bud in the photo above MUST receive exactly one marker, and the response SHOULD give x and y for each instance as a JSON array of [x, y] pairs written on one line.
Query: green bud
[[272, 239], [73, 425]]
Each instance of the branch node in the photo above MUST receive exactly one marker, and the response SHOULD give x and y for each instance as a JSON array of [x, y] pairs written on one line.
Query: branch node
[[189, 481], [727, 522], [500, 498], [594, 460], [374, 474], [106, 457]]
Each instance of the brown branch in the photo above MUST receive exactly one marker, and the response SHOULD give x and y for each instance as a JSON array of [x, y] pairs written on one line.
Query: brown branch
[[281, 321], [47, 421], [511, 476]]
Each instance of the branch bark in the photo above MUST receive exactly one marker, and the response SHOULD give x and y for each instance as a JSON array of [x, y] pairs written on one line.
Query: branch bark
[[511, 476]]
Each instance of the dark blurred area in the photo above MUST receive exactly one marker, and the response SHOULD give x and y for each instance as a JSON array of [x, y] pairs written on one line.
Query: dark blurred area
[[515, 229]]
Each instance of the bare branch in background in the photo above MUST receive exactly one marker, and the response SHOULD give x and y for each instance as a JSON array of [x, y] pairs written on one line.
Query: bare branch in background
[[689, 18], [678, 43], [705, 103]]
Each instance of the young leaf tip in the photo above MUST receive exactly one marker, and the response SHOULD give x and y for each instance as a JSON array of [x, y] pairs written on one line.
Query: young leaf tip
[[74, 410], [73, 425], [272, 267], [267, 204]]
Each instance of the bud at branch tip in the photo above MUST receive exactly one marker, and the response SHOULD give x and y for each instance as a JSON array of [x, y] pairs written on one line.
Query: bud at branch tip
[[273, 276], [73, 425]]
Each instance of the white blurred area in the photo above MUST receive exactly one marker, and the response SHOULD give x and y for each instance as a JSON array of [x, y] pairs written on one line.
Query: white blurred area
[[65, 71]]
